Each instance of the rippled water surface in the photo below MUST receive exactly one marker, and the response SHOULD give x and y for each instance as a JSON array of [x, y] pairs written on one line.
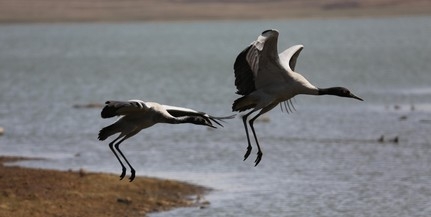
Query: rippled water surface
[[324, 159]]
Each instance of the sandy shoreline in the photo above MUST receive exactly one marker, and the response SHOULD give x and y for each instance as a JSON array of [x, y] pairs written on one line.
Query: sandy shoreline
[[41, 193], [30, 11]]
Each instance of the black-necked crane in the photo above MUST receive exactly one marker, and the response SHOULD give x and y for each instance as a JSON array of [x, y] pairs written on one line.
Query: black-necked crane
[[266, 78], [137, 115]]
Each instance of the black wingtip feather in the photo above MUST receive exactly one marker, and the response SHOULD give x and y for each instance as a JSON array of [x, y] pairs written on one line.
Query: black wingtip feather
[[244, 78]]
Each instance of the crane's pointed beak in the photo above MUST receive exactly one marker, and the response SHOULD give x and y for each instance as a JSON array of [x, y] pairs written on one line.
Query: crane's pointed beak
[[355, 97]]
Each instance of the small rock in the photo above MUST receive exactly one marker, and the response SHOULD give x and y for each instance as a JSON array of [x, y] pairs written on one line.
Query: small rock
[[126, 200], [4, 206], [425, 121], [204, 204], [395, 139], [263, 119], [381, 139], [1, 131], [82, 172], [201, 202]]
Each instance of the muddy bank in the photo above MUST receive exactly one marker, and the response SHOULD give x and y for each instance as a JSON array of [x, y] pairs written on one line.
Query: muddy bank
[[40, 192]]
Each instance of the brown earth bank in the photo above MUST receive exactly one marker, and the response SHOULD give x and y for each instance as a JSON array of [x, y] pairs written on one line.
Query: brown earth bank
[[43, 193], [161, 10]]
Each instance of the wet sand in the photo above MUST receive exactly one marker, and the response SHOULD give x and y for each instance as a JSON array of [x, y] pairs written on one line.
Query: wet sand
[[42, 193]]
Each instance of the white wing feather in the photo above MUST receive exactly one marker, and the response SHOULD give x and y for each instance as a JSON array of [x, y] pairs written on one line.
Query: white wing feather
[[289, 56], [264, 61], [169, 107]]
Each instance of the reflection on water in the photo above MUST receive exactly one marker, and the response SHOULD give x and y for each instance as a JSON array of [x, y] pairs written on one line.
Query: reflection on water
[[324, 159]]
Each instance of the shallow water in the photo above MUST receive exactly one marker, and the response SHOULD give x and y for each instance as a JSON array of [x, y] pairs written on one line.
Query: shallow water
[[324, 159]]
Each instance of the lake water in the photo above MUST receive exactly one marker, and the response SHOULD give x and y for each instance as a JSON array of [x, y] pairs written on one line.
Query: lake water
[[324, 159]]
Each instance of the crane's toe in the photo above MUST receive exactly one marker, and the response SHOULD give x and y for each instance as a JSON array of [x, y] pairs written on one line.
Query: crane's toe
[[132, 176], [258, 158], [123, 173], [247, 153]]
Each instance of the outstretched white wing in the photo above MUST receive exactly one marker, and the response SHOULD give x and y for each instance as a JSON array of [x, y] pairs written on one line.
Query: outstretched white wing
[[259, 65], [180, 112], [289, 56], [116, 108], [252, 64]]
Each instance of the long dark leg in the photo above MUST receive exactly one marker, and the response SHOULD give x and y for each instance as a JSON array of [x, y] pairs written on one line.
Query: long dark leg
[[244, 120], [251, 122], [259, 151], [132, 170], [111, 146]]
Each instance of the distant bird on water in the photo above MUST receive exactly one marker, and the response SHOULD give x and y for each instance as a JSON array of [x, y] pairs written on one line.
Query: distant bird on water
[[266, 78], [138, 115]]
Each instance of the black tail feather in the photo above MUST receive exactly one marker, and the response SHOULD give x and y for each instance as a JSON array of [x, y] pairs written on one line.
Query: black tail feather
[[240, 104], [106, 132]]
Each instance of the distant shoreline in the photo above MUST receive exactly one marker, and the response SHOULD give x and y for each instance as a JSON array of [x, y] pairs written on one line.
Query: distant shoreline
[[54, 11]]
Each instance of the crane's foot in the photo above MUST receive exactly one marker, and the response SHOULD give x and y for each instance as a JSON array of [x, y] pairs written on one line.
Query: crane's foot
[[248, 152], [258, 158], [132, 176], [123, 173]]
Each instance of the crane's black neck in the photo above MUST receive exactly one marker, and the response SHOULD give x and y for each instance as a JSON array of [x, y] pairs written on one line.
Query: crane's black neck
[[338, 91], [325, 91], [198, 120]]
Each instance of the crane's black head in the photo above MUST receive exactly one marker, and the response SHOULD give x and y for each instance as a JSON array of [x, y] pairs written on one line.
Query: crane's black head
[[338, 91]]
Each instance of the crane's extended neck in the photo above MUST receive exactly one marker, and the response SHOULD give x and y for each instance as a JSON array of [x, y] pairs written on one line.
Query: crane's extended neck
[[198, 120], [337, 91]]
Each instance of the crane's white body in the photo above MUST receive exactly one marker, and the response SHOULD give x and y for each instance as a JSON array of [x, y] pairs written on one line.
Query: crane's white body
[[137, 115], [266, 78]]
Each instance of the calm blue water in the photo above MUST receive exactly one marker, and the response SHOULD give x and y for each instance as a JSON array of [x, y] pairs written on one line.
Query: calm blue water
[[322, 160]]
